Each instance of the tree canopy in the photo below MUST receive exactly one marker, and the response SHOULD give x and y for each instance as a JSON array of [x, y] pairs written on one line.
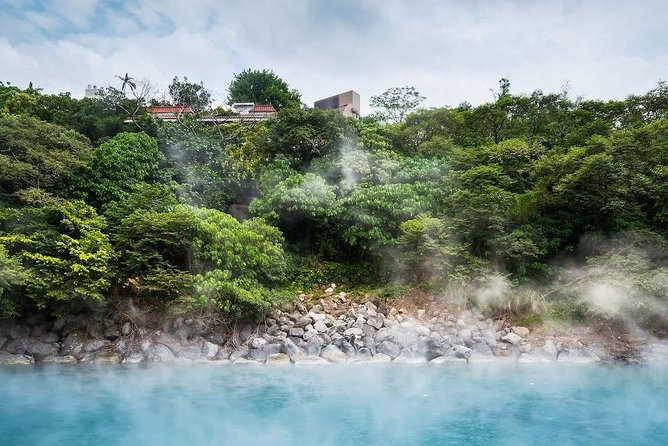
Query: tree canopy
[[262, 87]]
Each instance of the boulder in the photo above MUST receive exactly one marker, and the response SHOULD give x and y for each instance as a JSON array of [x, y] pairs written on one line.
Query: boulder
[[311, 360], [258, 343], [133, 358], [384, 334], [278, 359], [40, 350], [333, 354], [381, 357], [441, 360], [68, 359], [354, 331], [126, 329], [292, 350], [239, 353], [522, 332], [512, 338], [191, 352], [297, 332], [209, 349], [320, 326], [160, 353], [96, 345], [459, 351], [389, 348], [9, 359], [375, 321], [407, 357], [313, 346]]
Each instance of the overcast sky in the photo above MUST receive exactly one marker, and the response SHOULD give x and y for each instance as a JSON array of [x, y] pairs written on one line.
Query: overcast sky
[[451, 51]]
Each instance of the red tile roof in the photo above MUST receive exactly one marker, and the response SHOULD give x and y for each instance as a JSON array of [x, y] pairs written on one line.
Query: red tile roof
[[263, 109], [170, 109]]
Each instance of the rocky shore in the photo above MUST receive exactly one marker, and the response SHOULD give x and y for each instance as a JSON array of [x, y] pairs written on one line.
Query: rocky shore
[[331, 329]]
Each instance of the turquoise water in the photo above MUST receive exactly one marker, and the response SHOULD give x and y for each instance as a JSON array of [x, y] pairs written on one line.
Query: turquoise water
[[334, 405]]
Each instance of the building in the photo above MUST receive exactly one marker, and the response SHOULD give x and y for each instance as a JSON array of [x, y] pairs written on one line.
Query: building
[[169, 112], [241, 112], [93, 92], [347, 103]]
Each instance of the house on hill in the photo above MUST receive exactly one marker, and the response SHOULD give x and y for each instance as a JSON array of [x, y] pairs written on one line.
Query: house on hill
[[347, 103]]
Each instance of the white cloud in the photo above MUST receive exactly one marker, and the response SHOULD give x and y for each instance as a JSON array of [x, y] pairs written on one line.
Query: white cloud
[[451, 51]]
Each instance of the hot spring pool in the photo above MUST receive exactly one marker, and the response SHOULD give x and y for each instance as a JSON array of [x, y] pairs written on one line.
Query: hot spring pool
[[334, 405]]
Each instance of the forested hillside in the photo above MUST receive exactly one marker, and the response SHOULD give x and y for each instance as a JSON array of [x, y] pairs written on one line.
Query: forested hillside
[[531, 203]]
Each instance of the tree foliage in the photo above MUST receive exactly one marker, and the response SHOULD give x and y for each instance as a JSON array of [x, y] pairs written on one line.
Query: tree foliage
[[262, 87]]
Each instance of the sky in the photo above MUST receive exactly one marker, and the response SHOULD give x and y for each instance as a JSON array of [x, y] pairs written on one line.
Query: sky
[[451, 51]]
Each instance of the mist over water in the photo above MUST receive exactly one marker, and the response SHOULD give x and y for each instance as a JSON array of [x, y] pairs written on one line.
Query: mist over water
[[354, 404]]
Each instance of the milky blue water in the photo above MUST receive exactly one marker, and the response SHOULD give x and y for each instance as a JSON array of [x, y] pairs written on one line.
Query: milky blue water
[[334, 405]]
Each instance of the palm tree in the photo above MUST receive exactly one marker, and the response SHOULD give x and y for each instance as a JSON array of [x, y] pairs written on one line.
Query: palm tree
[[127, 82]]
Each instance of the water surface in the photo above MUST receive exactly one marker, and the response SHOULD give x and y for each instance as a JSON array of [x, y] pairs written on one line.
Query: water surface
[[334, 405]]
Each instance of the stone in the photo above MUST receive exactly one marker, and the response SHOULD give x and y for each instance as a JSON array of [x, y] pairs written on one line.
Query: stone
[[375, 322], [160, 353], [3, 340], [9, 359], [133, 358], [244, 361], [363, 353], [512, 338], [121, 347], [303, 322], [191, 352], [18, 346], [355, 331], [240, 352], [522, 332], [297, 332], [333, 354], [107, 358], [384, 334], [68, 359], [465, 334], [389, 348], [314, 345], [278, 359], [311, 360], [126, 329], [320, 326], [407, 357], [442, 360], [381, 357], [459, 351], [96, 345], [292, 350], [550, 350], [257, 343], [420, 314], [257, 354], [209, 349], [48, 337]]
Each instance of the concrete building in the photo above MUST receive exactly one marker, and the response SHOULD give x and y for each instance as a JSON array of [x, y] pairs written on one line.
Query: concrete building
[[93, 92], [347, 103]]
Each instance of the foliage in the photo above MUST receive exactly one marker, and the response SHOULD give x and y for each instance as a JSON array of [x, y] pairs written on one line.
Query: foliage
[[396, 103], [189, 93], [262, 87], [37, 154], [63, 249]]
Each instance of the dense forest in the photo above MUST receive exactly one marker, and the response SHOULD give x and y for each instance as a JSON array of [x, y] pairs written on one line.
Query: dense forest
[[538, 204]]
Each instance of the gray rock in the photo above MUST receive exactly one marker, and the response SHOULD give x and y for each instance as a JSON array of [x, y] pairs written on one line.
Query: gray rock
[[363, 353], [381, 357], [522, 332], [49, 337], [550, 350], [68, 359], [512, 338], [9, 359], [160, 353], [354, 331], [107, 358], [40, 350], [311, 360], [313, 346], [375, 321], [407, 357], [133, 358], [303, 322], [483, 348], [121, 347], [384, 334], [459, 351], [333, 354], [278, 359], [126, 329], [18, 346], [192, 352], [18, 332], [257, 343], [239, 353], [320, 326], [96, 345], [292, 350], [443, 360], [465, 334], [244, 361], [209, 349], [297, 332], [3, 340], [389, 348]]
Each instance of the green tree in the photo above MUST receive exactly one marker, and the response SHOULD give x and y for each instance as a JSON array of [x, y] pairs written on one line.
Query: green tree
[[396, 103], [262, 87], [34, 153], [187, 93]]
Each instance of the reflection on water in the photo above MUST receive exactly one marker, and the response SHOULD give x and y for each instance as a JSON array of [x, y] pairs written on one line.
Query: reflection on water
[[342, 405]]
